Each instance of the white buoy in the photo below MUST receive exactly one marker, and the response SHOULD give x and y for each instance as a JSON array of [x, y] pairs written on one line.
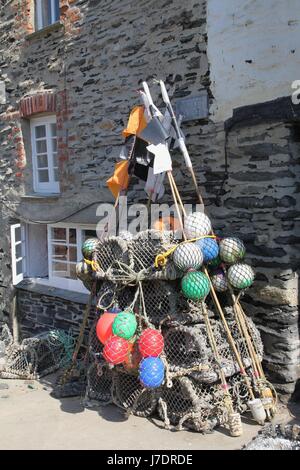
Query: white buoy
[[197, 225], [187, 256], [241, 275]]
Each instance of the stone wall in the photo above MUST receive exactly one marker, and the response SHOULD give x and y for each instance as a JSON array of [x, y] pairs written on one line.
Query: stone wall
[[39, 313], [261, 205]]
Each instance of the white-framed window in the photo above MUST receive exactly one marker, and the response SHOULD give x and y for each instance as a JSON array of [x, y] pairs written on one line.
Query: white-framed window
[[46, 13], [17, 234], [51, 253], [44, 154]]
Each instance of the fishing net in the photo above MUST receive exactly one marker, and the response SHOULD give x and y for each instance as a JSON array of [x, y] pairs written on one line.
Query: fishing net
[[37, 356], [99, 383], [278, 437], [129, 394]]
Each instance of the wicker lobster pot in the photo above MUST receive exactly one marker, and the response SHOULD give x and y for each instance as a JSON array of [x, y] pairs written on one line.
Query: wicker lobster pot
[[129, 394]]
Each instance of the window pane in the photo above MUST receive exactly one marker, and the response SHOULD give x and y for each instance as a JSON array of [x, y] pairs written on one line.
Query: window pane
[[60, 252], [55, 163], [18, 234], [60, 269], [73, 253], [41, 146], [19, 267], [19, 250], [43, 176], [72, 235], [40, 131], [55, 174], [42, 161], [59, 233], [53, 129], [54, 145]]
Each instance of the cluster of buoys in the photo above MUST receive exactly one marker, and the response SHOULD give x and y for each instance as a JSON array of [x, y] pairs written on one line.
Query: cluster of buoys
[[116, 330], [203, 248]]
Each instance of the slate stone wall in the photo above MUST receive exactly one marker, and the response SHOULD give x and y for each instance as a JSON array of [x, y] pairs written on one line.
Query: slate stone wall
[[39, 313]]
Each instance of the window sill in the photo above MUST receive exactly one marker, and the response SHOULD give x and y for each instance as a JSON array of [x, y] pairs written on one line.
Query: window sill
[[48, 29], [32, 285], [41, 196]]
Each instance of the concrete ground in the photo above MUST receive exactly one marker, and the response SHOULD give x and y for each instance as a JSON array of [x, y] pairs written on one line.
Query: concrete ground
[[31, 419]]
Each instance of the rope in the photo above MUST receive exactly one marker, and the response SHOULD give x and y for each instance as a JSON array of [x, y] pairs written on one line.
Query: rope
[[161, 259]]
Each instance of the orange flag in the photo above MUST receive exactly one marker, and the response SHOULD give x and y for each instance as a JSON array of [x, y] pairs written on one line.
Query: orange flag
[[120, 179], [136, 122]]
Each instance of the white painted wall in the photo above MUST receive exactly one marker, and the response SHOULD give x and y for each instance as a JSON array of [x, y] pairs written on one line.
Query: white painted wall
[[264, 31]]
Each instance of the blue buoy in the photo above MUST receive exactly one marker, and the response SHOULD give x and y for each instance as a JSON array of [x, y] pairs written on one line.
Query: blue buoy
[[209, 248], [152, 372]]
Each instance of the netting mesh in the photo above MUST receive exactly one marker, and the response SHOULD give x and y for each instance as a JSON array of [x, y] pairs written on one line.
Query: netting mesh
[[111, 294], [99, 383], [160, 300], [129, 394], [145, 246], [108, 254], [195, 405]]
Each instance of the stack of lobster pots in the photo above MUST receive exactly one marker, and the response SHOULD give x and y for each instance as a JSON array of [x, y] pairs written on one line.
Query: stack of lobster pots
[[171, 338]]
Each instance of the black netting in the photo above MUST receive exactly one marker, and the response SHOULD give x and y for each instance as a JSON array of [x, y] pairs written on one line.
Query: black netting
[[99, 383], [131, 395]]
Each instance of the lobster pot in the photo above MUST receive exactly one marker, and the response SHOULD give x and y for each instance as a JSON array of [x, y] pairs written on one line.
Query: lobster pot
[[20, 363], [146, 245], [99, 383], [111, 293], [108, 253], [188, 346], [160, 300], [190, 404], [51, 351], [130, 395], [36, 356]]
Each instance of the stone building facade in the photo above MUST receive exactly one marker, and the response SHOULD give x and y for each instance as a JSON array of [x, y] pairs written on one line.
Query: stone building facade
[[83, 70]]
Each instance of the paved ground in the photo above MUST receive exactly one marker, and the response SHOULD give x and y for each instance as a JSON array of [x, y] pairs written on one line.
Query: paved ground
[[31, 419]]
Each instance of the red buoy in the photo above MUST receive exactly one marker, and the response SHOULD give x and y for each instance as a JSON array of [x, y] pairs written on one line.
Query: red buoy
[[116, 350], [104, 325], [151, 343]]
